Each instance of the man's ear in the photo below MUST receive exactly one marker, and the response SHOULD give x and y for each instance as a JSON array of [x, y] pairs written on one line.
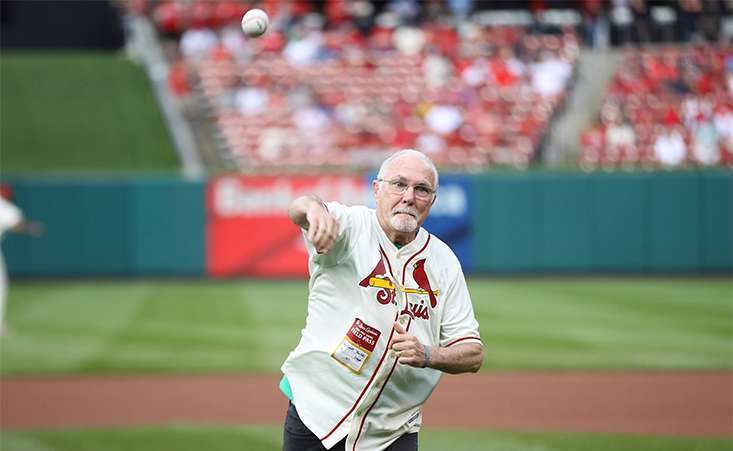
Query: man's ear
[[375, 187]]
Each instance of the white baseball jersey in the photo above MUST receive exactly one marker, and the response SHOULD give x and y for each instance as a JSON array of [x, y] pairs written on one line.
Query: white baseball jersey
[[10, 216], [345, 381]]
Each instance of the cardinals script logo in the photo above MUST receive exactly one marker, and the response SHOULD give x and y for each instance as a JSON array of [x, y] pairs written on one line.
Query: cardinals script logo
[[417, 296]]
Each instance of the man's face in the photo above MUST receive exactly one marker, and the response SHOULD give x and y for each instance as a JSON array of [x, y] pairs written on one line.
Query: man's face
[[404, 213]]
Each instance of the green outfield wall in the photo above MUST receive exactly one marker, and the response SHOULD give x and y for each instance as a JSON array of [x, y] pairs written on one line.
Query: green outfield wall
[[142, 226], [530, 222], [604, 223]]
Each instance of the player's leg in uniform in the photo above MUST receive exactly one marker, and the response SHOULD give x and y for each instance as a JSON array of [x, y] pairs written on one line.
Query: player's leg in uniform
[[407, 442], [297, 437], [3, 293]]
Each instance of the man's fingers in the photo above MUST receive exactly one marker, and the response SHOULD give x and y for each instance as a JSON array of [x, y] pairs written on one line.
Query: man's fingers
[[398, 328], [323, 232], [311, 235], [409, 357], [408, 349], [400, 345]]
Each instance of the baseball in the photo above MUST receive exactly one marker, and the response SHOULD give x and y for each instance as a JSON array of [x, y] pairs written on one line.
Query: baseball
[[254, 23]]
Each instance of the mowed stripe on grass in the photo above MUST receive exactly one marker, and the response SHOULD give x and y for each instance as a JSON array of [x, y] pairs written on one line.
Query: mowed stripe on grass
[[144, 326], [269, 438]]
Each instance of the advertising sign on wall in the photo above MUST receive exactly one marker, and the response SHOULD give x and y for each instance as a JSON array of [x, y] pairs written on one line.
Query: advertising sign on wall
[[248, 229]]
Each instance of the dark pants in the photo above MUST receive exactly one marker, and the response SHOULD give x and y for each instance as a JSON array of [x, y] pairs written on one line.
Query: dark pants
[[297, 437]]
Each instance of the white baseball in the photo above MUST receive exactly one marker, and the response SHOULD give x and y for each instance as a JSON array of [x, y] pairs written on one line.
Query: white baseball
[[254, 23]]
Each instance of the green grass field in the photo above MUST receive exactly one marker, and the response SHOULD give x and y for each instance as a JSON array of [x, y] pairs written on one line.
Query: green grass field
[[268, 438], [79, 112], [209, 326]]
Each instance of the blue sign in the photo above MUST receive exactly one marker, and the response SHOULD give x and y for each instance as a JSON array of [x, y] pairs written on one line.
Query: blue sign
[[450, 217]]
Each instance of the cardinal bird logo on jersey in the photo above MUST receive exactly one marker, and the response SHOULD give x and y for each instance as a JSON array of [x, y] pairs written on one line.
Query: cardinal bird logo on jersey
[[421, 279], [378, 279]]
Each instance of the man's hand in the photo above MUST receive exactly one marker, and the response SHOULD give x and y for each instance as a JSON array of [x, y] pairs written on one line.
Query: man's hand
[[408, 348], [311, 214], [32, 228], [323, 229], [461, 358]]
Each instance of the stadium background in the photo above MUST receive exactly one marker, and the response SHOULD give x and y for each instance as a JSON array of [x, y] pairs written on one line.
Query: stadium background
[[152, 193]]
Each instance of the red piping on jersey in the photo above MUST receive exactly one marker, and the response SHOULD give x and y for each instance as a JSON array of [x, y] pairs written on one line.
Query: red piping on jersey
[[461, 339], [361, 426], [384, 257], [381, 360], [404, 268], [376, 370]]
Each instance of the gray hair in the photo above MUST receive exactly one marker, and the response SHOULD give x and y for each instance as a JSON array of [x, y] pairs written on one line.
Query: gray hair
[[405, 152]]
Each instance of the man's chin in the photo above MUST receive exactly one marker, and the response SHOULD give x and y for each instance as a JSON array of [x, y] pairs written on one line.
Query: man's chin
[[406, 225]]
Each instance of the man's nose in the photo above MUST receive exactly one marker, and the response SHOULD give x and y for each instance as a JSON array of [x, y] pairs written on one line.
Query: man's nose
[[409, 195]]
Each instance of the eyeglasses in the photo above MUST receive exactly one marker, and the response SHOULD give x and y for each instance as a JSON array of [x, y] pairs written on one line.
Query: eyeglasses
[[399, 186]]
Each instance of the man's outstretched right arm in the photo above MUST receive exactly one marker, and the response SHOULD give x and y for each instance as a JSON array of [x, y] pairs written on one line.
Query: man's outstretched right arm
[[311, 214]]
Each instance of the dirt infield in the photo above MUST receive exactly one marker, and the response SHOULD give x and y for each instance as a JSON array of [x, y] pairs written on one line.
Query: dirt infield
[[698, 404]]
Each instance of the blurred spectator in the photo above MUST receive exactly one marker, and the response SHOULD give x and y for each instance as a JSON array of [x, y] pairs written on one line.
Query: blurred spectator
[[274, 143], [507, 70], [362, 13], [251, 100], [592, 143], [168, 16], [431, 144], [460, 9], [304, 51], [178, 81], [409, 40], [670, 148], [689, 17], [228, 13], [723, 120], [407, 11], [640, 13], [197, 43], [693, 109], [595, 23], [437, 70], [550, 74], [443, 119], [233, 40], [705, 142], [311, 120], [201, 14], [620, 140]]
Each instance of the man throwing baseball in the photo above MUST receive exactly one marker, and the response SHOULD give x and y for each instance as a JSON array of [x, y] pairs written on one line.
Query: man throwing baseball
[[388, 312]]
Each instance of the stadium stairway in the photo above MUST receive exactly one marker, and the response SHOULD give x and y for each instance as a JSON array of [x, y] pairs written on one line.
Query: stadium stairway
[[595, 71], [143, 46]]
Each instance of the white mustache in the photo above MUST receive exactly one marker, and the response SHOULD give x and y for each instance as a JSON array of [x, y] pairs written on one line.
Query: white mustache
[[410, 212]]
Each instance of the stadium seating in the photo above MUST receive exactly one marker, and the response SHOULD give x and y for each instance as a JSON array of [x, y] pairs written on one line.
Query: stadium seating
[[666, 107], [321, 94]]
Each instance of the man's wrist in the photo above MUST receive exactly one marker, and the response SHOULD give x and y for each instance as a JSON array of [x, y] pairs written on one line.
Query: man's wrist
[[426, 362]]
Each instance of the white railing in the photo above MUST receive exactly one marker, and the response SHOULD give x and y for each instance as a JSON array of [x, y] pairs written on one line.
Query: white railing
[[143, 46]]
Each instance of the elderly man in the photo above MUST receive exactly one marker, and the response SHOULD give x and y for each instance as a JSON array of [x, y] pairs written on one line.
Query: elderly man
[[388, 312]]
